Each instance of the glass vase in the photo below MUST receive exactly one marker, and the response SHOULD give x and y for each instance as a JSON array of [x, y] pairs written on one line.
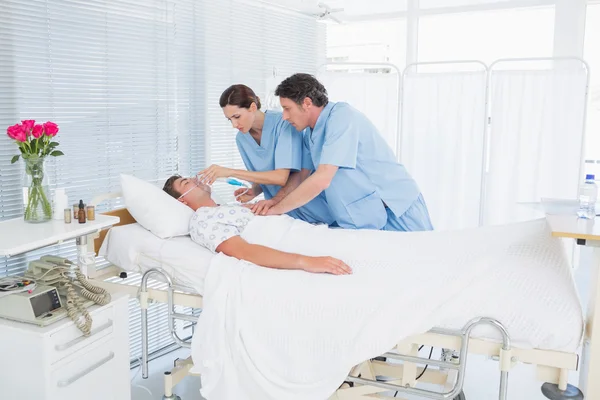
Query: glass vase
[[36, 202]]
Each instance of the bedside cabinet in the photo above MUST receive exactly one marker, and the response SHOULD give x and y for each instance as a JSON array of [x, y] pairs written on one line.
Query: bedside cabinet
[[58, 363]]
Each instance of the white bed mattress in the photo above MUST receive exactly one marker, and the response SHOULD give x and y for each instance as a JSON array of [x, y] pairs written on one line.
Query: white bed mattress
[[136, 249]]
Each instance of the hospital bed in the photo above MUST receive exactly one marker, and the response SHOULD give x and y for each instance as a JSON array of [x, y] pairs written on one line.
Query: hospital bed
[[182, 264]]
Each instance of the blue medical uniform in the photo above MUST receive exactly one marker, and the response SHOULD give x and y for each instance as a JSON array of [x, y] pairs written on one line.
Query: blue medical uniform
[[281, 148], [370, 190]]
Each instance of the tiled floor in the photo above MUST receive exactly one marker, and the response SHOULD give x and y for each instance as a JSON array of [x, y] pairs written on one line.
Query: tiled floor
[[481, 382]]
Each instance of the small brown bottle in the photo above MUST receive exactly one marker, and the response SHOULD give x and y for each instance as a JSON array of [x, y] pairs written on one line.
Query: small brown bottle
[[81, 214]]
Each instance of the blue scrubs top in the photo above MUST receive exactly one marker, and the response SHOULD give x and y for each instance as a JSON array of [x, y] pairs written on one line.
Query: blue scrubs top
[[281, 148], [368, 174]]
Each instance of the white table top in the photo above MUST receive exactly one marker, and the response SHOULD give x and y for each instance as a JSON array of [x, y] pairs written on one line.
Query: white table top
[[561, 215], [570, 226], [18, 236]]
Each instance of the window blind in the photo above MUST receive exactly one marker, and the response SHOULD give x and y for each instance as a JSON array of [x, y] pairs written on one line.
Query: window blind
[[123, 81], [134, 86], [105, 72]]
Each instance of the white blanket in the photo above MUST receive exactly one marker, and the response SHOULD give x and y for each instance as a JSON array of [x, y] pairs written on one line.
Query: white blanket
[[273, 334]]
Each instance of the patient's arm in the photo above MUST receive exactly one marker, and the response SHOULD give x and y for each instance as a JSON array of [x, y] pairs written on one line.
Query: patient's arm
[[256, 188], [268, 257], [243, 195]]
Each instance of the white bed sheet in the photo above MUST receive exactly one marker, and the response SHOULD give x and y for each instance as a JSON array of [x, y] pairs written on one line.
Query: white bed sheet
[[135, 249], [271, 334]]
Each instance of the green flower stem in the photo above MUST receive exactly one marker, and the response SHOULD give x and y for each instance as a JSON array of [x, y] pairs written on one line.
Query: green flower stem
[[47, 207], [36, 195]]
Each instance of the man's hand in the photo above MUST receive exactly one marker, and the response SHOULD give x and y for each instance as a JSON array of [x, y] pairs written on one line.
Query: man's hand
[[327, 265], [212, 173], [272, 211], [246, 197], [307, 190], [261, 207]]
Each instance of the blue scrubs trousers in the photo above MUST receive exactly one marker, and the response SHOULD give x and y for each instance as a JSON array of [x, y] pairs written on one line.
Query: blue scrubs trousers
[[416, 218]]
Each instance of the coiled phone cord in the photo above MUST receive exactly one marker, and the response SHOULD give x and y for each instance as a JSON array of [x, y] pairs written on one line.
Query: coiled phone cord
[[76, 309], [97, 294]]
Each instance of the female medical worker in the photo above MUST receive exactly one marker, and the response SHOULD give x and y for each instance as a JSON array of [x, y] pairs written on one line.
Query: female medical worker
[[365, 187], [270, 148]]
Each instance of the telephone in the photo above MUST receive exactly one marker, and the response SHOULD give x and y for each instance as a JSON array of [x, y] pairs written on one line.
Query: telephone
[[51, 272]]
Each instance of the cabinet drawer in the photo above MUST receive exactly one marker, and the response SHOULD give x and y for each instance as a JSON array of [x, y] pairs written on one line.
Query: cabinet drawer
[[89, 375], [70, 339]]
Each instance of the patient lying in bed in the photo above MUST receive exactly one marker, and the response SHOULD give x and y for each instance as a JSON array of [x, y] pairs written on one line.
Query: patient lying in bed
[[266, 334], [219, 229]]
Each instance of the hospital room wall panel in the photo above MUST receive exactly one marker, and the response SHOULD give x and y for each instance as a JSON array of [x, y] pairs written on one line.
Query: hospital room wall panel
[[535, 138], [443, 136], [481, 144]]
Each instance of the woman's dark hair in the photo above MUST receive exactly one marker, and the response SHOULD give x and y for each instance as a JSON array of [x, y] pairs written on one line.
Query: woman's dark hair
[[300, 86], [239, 95]]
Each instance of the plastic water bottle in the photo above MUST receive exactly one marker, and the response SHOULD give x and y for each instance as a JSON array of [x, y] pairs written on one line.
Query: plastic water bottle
[[588, 193]]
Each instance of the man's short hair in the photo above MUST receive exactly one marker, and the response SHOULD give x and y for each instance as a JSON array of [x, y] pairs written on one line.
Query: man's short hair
[[300, 86], [169, 186]]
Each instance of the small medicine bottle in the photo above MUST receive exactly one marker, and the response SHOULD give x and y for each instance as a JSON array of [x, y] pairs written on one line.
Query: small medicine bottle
[[81, 214], [67, 212], [91, 213]]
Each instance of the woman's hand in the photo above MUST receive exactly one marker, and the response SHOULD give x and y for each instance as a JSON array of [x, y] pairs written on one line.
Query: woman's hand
[[328, 265], [212, 173], [246, 197]]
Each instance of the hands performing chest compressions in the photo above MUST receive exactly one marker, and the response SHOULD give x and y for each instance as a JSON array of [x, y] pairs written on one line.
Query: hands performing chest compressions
[[318, 161]]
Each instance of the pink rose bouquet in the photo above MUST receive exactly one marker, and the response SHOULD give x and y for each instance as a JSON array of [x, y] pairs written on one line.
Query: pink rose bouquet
[[34, 140], [35, 143]]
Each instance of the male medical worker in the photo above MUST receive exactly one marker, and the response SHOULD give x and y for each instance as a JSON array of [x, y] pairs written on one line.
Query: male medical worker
[[365, 187]]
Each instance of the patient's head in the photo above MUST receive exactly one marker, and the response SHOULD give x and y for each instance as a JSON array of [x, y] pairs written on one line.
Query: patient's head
[[189, 192]]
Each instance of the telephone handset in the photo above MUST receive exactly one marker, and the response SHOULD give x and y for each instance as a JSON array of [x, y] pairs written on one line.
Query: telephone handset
[[59, 272]]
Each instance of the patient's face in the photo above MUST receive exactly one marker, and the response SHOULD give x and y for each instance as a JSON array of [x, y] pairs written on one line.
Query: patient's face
[[241, 118], [192, 194], [183, 186]]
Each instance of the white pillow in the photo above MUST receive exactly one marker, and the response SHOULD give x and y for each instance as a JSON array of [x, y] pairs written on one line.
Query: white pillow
[[154, 209]]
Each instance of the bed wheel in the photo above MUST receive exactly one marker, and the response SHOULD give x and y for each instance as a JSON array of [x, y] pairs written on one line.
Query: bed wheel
[[461, 396], [552, 392], [171, 397]]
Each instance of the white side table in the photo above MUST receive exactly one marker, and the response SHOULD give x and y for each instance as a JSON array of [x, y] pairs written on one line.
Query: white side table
[[18, 236], [58, 362]]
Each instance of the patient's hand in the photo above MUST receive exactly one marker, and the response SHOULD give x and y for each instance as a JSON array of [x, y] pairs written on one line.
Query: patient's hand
[[246, 197], [327, 265]]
